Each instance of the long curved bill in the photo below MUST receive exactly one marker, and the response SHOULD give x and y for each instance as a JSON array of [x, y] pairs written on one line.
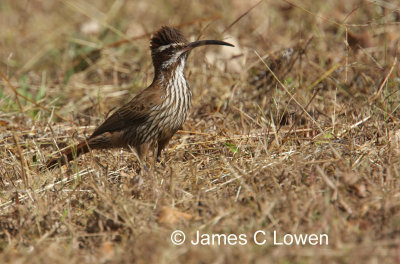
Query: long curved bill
[[199, 43]]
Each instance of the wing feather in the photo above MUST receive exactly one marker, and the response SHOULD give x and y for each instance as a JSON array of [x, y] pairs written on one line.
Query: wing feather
[[132, 113]]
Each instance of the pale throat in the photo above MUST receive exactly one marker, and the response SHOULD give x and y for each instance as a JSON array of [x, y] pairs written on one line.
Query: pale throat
[[177, 76], [173, 73]]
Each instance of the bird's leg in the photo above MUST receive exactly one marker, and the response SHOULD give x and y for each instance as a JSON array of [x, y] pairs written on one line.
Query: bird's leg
[[160, 146], [139, 152], [158, 156], [155, 158]]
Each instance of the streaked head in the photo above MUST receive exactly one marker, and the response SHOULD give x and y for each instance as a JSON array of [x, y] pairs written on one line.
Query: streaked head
[[169, 47]]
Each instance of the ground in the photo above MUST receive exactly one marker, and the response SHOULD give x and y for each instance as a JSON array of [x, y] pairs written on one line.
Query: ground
[[295, 131]]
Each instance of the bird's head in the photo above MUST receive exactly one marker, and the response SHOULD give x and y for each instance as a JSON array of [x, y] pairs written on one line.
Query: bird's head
[[169, 48]]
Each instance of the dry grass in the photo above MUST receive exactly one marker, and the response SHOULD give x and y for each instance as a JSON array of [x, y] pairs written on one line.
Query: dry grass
[[303, 139]]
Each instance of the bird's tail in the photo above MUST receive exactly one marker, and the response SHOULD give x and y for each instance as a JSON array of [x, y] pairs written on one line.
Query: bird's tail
[[67, 155]]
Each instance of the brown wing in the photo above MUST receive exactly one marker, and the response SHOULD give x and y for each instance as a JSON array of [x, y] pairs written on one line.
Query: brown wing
[[133, 113]]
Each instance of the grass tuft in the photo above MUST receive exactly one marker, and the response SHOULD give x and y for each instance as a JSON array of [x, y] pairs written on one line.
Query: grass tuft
[[294, 131]]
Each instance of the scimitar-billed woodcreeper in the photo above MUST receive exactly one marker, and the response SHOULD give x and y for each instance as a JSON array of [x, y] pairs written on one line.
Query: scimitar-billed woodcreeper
[[154, 115]]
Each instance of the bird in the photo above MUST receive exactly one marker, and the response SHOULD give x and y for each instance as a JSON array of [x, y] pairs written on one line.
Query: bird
[[154, 115]]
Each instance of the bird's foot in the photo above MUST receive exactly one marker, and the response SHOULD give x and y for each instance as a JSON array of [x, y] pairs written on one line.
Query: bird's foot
[[162, 162]]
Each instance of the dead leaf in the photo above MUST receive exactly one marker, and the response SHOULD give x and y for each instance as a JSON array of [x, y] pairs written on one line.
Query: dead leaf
[[107, 251], [359, 40], [3, 122], [170, 216]]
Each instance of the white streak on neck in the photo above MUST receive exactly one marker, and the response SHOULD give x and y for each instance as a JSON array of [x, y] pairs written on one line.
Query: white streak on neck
[[172, 60]]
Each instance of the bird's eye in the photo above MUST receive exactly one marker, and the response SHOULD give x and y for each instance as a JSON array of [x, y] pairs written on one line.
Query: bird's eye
[[170, 50]]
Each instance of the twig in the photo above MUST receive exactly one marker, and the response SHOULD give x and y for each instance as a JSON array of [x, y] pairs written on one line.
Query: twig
[[241, 16], [291, 96], [301, 114], [22, 161], [335, 152], [14, 90], [374, 97], [311, 13], [21, 198], [18, 94], [355, 125]]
